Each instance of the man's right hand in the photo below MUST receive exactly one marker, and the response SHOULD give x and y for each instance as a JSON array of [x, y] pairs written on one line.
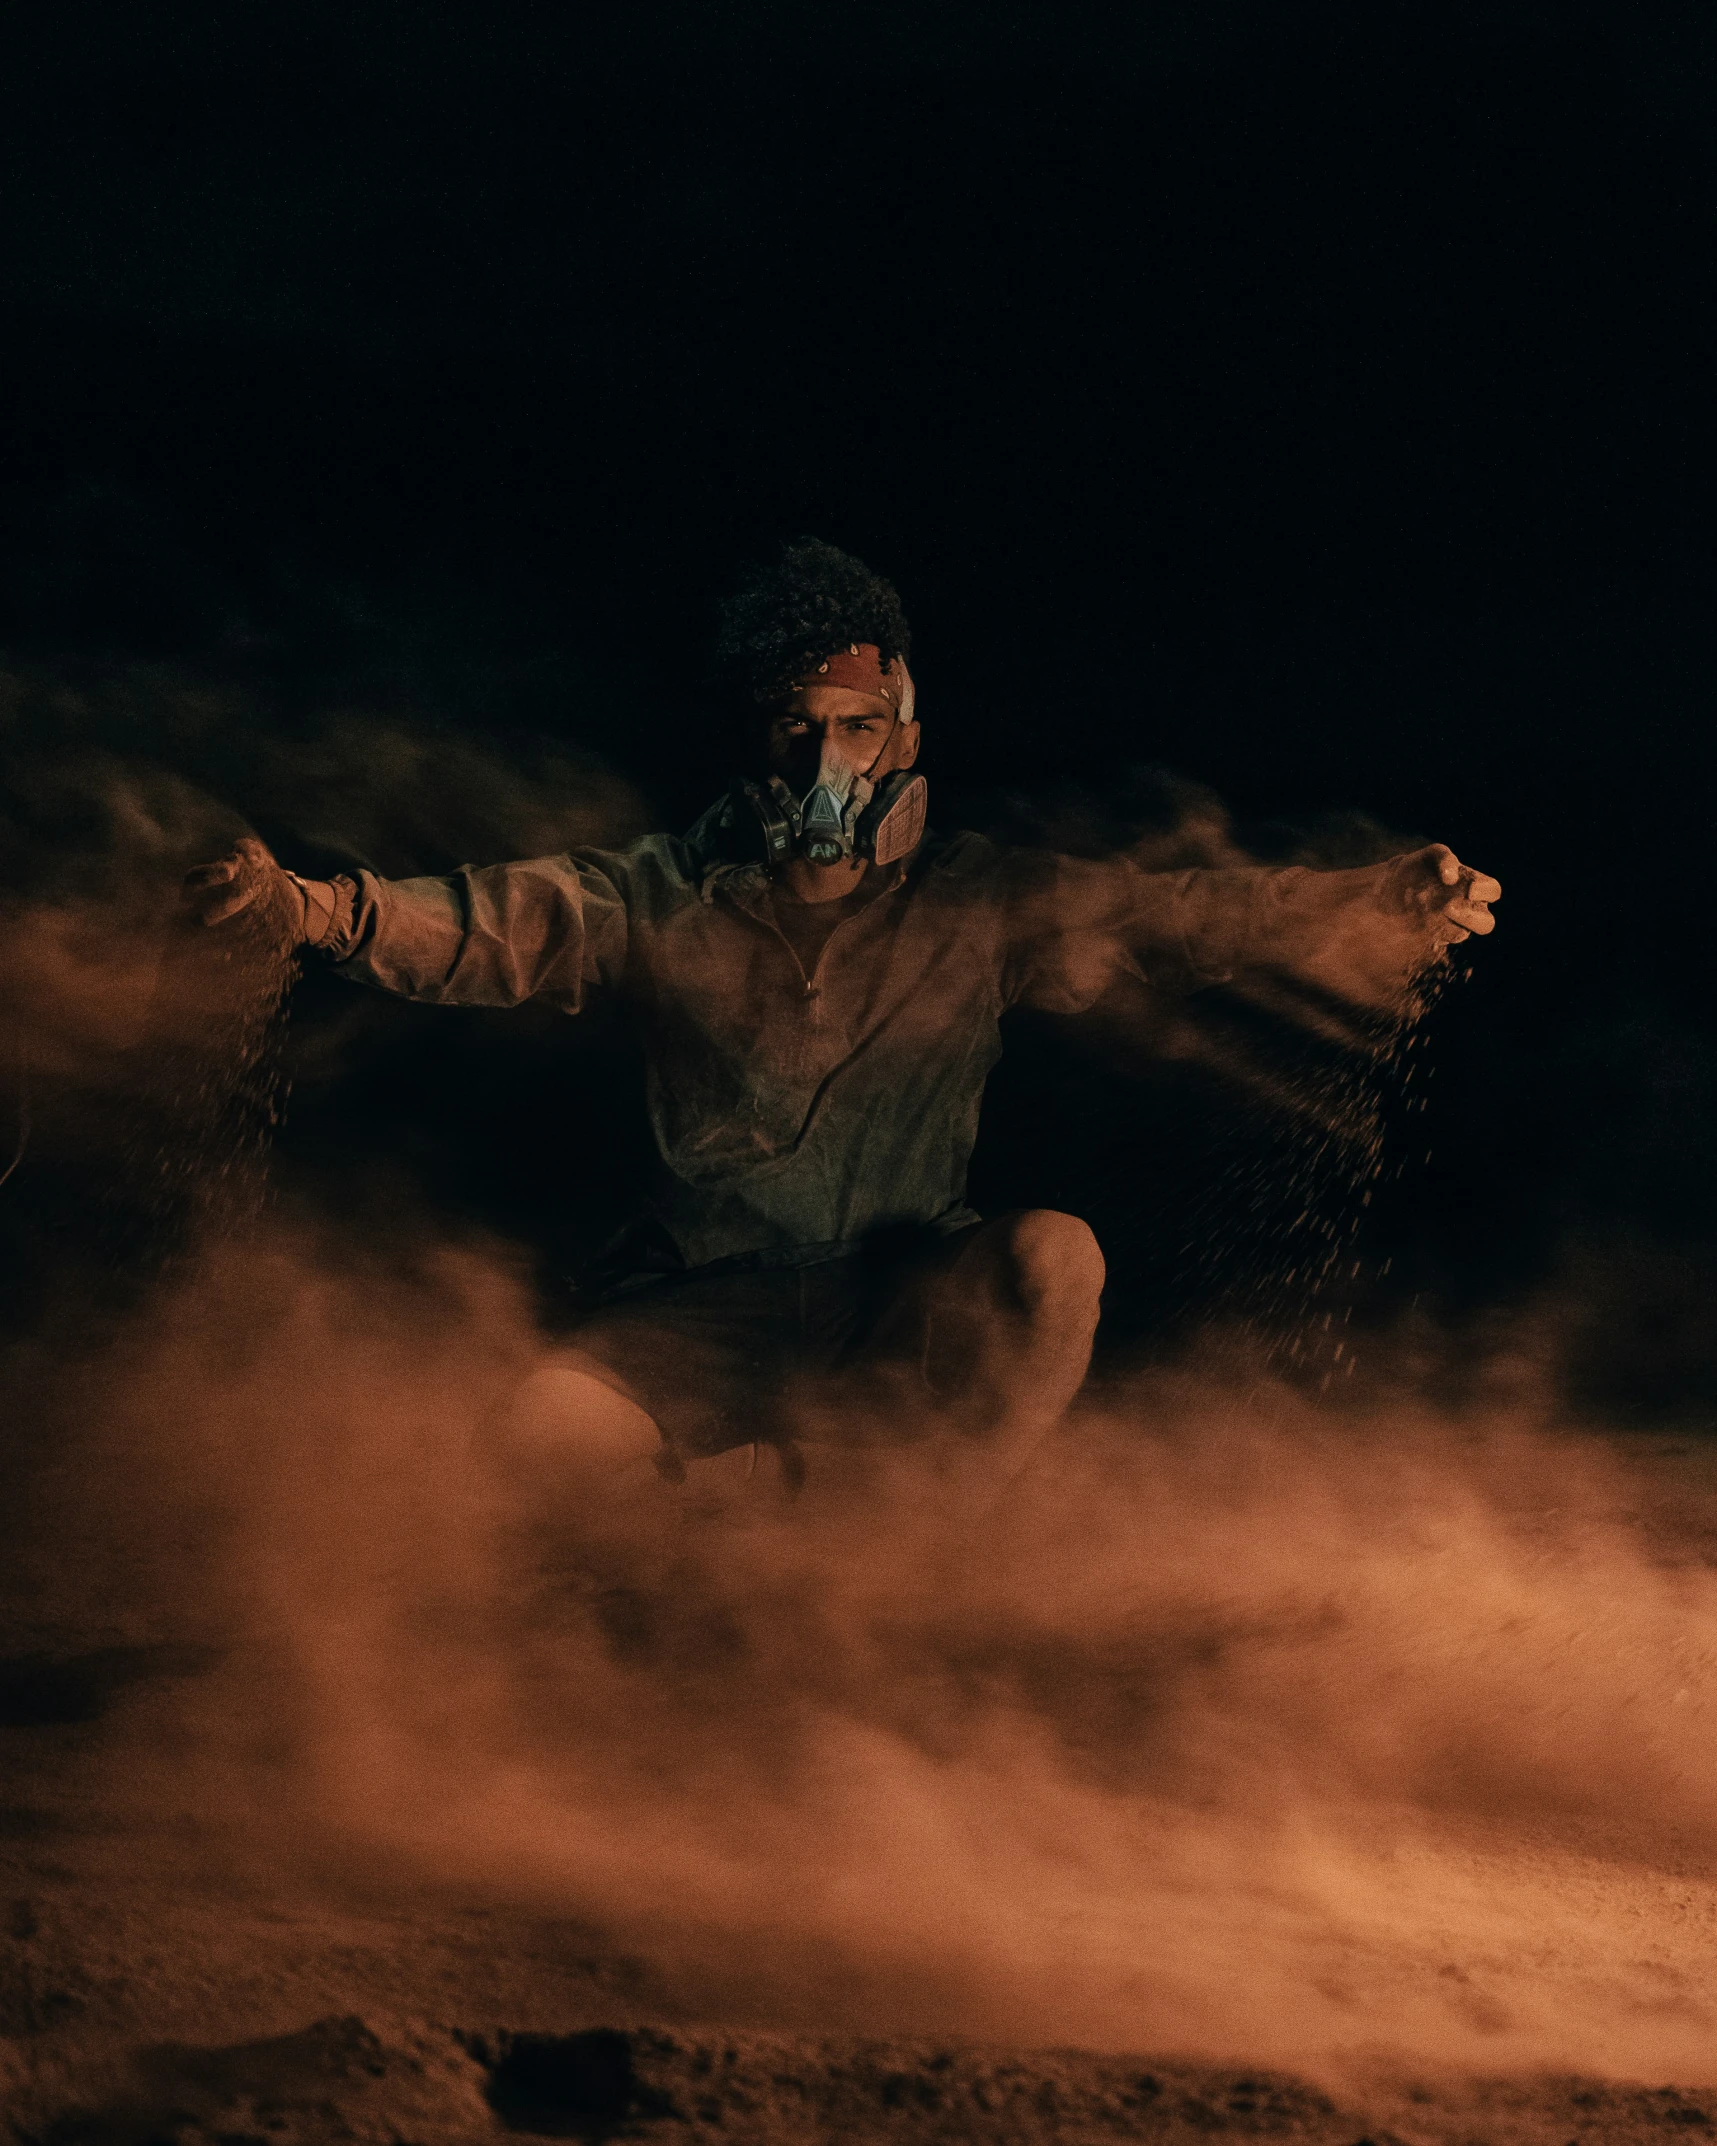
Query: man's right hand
[[249, 877]]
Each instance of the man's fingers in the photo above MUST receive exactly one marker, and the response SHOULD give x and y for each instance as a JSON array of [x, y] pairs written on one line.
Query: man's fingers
[[228, 905], [1471, 906], [1451, 872], [1448, 900], [212, 875], [230, 884]]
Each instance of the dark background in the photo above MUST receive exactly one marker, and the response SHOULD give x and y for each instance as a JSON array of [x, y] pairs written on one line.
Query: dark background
[[1312, 400]]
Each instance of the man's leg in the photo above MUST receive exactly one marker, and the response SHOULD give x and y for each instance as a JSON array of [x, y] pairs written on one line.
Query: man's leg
[[1002, 1331], [674, 1375], [571, 1409]]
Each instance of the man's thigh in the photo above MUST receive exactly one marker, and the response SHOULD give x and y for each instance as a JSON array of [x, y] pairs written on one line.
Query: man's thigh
[[838, 1352], [710, 1361], [863, 1377]]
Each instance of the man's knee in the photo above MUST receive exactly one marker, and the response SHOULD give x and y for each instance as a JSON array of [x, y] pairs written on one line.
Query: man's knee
[[1053, 1261], [572, 1405]]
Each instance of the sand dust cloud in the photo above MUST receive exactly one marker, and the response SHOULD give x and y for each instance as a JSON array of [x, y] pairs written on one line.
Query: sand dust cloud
[[1236, 1728]]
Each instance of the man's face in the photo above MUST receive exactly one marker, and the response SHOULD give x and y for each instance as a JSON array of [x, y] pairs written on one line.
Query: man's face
[[823, 726]]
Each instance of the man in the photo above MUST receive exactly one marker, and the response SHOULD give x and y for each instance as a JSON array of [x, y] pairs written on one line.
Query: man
[[819, 979]]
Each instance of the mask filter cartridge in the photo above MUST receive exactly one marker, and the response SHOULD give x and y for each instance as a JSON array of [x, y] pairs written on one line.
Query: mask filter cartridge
[[838, 819]]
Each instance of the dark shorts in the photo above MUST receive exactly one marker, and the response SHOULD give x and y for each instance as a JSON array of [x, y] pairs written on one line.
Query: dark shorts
[[721, 1359]]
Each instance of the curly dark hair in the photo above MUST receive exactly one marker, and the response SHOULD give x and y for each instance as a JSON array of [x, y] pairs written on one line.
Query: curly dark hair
[[813, 600]]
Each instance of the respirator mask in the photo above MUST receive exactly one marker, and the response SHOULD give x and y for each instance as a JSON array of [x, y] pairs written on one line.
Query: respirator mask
[[844, 814]]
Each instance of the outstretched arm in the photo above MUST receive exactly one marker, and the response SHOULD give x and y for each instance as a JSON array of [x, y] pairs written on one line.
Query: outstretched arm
[[1363, 934], [483, 936]]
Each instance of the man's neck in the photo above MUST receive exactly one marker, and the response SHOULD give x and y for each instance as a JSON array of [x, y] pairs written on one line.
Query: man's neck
[[803, 881]]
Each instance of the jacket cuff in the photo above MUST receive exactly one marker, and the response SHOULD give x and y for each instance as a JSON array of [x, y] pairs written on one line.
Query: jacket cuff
[[329, 905]]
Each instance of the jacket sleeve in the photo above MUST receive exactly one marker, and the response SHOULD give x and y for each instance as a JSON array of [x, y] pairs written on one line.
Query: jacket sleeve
[[1089, 924], [1354, 933], [1228, 921], [487, 935]]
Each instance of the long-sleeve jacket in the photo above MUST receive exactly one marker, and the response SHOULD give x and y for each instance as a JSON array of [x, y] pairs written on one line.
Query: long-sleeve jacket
[[796, 1111]]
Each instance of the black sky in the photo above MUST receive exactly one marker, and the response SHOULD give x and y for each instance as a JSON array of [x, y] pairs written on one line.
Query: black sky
[[1314, 400]]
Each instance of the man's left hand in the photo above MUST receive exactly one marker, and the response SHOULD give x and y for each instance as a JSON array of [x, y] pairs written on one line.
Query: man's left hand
[[1451, 899], [1382, 925]]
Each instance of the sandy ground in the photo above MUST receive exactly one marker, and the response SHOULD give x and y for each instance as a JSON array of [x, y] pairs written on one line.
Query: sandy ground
[[170, 1973]]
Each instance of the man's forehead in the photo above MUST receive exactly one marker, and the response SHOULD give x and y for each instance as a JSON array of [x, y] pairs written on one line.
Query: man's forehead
[[835, 701]]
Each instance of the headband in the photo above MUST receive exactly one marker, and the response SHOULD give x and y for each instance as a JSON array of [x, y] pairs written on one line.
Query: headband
[[859, 667]]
